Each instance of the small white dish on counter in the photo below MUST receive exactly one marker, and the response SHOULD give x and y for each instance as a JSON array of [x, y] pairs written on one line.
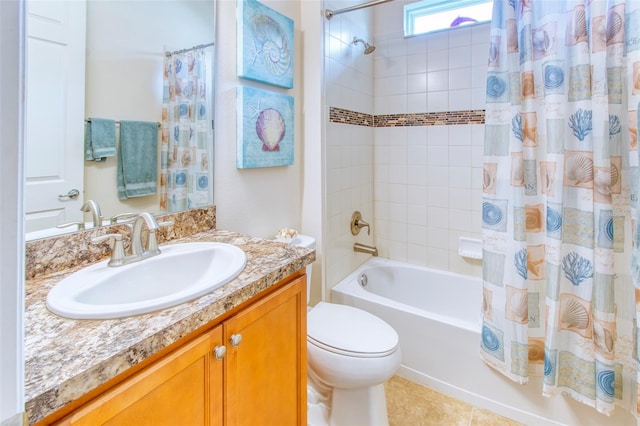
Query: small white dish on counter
[[182, 272]]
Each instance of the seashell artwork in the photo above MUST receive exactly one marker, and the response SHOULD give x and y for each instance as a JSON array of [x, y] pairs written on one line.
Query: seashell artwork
[[579, 23], [491, 213], [554, 220], [519, 307], [493, 52], [270, 127], [489, 178], [614, 25], [273, 47], [541, 41], [602, 181], [264, 128], [536, 350], [496, 86], [574, 315], [533, 218], [553, 77], [265, 45], [579, 169], [490, 340], [517, 169], [614, 174], [603, 338], [606, 383]]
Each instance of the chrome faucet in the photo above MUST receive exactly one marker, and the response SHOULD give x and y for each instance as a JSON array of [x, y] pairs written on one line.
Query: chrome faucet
[[363, 248], [138, 250], [137, 246], [92, 207]]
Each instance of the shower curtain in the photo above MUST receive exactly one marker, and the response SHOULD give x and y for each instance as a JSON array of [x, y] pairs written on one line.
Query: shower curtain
[[559, 194], [187, 137]]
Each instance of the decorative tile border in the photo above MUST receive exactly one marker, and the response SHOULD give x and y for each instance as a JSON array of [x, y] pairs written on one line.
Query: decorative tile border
[[445, 118], [345, 116]]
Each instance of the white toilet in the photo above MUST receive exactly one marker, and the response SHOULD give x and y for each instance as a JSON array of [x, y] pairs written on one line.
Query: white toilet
[[350, 354]]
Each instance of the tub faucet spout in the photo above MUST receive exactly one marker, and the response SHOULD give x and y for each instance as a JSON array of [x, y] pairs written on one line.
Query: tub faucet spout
[[363, 248]]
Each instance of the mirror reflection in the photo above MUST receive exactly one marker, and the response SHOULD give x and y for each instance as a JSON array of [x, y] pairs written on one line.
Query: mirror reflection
[[105, 61]]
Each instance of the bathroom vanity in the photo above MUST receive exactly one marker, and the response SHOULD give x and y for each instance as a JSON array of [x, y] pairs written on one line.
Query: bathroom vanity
[[235, 356]]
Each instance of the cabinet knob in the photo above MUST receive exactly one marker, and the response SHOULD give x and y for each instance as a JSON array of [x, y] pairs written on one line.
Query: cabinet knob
[[219, 352], [235, 339]]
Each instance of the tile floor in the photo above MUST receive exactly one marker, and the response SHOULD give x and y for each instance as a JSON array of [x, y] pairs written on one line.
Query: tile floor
[[410, 404]]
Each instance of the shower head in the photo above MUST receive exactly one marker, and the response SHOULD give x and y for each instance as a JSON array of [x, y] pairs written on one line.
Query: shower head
[[368, 48]]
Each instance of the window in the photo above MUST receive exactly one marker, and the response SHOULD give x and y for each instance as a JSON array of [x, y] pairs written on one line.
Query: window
[[434, 15]]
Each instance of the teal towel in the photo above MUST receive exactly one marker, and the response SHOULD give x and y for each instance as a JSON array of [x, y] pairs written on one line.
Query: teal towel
[[137, 159], [99, 139]]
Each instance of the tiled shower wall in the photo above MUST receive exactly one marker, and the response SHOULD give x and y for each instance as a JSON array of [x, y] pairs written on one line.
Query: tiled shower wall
[[418, 185], [427, 179], [348, 147]]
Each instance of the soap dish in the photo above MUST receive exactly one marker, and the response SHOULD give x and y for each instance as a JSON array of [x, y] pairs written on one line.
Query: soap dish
[[470, 248]]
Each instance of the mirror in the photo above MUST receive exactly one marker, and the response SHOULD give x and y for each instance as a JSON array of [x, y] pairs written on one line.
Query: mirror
[[123, 80]]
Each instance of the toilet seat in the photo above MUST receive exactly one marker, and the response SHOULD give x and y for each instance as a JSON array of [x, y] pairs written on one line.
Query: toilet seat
[[350, 331]]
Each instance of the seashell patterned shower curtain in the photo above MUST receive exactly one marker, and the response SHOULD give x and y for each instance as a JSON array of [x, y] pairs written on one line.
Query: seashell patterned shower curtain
[[560, 190], [187, 137]]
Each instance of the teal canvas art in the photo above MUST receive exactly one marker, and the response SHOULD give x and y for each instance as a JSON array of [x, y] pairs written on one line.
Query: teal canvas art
[[265, 129], [265, 44]]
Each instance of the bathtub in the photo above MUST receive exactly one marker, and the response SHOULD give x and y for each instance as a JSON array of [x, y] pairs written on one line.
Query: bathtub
[[437, 316]]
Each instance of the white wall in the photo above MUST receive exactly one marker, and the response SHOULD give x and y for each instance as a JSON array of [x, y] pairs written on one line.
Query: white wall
[[349, 148], [313, 203], [254, 201], [428, 178], [11, 213]]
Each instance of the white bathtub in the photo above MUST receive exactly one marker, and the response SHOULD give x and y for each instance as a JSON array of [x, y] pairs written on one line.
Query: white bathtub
[[437, 315]]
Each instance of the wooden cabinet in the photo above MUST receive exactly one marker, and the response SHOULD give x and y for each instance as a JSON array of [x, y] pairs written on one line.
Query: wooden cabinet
[[261, 380]]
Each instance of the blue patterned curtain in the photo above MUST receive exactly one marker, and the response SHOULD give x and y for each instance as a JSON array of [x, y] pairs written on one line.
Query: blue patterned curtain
[[560, 174], [187, 137]]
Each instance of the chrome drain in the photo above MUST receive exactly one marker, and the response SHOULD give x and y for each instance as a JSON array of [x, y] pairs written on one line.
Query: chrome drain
[[363, 280]]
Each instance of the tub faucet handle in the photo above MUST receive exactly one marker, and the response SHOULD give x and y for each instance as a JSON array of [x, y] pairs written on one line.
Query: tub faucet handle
[[357, 224]]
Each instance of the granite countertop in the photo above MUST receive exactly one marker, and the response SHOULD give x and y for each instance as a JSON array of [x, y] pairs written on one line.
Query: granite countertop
[[65, 358]]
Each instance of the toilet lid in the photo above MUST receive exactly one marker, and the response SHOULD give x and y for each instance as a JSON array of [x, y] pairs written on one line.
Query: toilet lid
[[345, 329]]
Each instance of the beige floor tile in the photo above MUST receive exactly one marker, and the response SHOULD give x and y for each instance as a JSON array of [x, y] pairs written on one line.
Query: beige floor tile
[[411, 404], [480, 417]]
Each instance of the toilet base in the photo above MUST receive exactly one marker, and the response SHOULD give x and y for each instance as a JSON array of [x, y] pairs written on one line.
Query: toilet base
[[359, 407]]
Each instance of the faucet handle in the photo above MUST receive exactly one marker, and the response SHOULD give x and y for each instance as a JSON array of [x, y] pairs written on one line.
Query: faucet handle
[[117, 251], [122, 216], [66, 225], [357, 224]]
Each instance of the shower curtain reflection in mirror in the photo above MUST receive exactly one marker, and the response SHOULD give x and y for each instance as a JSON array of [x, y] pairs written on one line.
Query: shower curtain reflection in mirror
[[187, 135]]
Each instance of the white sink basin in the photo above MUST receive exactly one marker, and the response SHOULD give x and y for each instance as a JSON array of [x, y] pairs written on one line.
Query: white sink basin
[[182, 272]]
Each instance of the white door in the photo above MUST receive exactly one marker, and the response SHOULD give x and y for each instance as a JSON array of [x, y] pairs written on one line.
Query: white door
[[54, 147]]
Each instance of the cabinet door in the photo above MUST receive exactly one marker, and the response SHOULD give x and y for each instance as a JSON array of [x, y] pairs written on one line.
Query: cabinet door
[[183, 388], [266, 371]]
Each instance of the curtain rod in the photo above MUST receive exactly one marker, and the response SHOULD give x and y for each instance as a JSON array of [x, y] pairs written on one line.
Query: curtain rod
[[200, 46], [88, 120], [330, 13]]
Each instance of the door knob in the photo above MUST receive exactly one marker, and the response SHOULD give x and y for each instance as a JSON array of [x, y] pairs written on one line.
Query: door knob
[[235, 340], [71, 195], [219, 352]]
